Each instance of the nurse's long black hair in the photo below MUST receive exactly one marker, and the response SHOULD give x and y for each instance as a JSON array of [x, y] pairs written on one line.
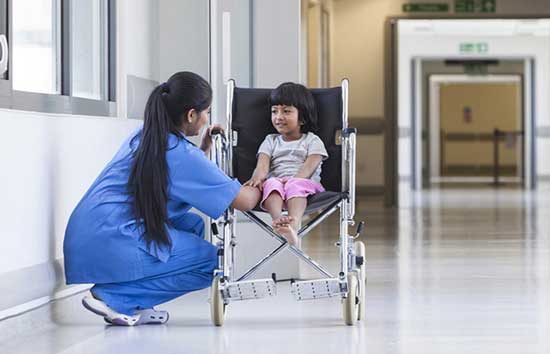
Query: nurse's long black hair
[[166, 108]]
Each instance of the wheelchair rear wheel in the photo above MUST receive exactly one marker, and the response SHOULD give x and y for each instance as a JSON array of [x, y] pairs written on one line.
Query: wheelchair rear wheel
[[350, 304], [217, 305], [360, 251]]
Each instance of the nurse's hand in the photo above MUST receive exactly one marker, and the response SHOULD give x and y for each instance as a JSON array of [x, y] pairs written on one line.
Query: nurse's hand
[[206, 142]]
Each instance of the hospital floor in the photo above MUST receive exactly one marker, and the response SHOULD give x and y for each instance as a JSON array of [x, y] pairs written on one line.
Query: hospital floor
[[449, 271]]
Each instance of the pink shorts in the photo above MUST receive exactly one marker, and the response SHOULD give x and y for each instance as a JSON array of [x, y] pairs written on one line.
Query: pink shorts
[[289, 188]]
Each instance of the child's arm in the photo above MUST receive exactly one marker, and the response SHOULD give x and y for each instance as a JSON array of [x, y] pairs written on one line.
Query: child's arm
[[309, 166], [261, 171]]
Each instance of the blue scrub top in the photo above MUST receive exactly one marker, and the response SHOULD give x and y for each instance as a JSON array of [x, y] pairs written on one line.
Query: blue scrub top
[[103, 242]]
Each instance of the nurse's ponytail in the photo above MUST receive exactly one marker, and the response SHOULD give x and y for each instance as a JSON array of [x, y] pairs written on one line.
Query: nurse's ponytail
[[165, 110]]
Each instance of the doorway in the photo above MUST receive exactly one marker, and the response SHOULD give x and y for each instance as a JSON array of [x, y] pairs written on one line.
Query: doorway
[[475, 130]]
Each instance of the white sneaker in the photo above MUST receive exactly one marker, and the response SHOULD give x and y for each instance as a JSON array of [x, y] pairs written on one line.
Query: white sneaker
[[111, 316]]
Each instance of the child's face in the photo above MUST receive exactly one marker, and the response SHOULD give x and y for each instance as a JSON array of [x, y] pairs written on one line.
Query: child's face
[[285, 119]]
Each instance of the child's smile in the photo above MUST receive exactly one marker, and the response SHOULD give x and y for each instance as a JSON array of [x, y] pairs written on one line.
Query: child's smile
[[285, 120]]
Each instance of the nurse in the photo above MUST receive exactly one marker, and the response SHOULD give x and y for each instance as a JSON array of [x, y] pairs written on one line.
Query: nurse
[[132, 234]]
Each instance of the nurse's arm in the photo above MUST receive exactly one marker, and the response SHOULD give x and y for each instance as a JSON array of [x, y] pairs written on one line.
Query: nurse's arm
[[247, 198]]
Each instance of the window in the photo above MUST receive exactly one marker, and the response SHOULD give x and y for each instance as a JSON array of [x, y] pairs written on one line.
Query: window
[[35, 45], [88, 48], [61, 56]]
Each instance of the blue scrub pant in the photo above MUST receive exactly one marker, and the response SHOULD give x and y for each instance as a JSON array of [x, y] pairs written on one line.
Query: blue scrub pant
[[189, 268]]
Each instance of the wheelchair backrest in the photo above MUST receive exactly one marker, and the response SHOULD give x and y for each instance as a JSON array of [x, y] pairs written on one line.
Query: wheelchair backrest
[[252, 122]]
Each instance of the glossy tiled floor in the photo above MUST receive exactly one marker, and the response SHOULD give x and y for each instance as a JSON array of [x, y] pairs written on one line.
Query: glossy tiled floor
[[450, 271]]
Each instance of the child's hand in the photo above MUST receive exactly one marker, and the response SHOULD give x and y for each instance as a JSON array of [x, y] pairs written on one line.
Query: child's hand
[[255, 181]]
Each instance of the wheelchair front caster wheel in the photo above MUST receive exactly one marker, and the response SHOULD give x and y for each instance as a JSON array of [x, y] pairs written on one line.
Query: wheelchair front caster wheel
[[217, 305], [360, 251], [350, 304]]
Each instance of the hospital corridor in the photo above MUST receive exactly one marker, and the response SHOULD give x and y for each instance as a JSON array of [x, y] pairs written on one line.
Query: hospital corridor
[[274, 176]]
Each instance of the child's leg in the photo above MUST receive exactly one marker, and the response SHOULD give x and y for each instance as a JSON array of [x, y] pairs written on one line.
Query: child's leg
[[296, 192], [296, 207], [289, 227], [274, 206], [272, 200]]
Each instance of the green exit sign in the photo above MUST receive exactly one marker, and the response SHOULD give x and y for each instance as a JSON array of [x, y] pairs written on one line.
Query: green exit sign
[[426, 7], [474, 47], [475, 6]]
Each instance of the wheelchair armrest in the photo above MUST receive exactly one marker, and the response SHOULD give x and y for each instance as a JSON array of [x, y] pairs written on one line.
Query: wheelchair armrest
[[348, 131]]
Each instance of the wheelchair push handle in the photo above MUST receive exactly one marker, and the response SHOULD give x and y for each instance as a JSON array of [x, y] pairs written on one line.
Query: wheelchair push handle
[[216, 131], [217, 135]]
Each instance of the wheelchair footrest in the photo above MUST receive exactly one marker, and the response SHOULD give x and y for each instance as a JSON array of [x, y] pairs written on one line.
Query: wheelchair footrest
[[316, 289], [251, 289]]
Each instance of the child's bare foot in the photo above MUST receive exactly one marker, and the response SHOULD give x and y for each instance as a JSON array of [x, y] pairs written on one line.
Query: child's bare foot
[[282, 220], [276, 221], [287, 232]]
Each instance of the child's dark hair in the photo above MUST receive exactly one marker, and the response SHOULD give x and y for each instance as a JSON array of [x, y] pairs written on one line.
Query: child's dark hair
[[292, 94]]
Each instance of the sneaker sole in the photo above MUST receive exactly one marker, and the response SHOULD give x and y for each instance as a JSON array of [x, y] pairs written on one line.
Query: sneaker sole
[[112, 318], [145, 322]]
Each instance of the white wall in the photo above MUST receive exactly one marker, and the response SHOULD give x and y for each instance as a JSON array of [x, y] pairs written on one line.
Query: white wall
[[184, 43], [50, 161], [184, 38], [231, 50], [276, 42], [138, 48]]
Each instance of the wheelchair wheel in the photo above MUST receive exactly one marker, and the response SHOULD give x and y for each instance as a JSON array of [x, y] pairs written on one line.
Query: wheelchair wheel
[[360, 251], [350, 304], [217, 305]]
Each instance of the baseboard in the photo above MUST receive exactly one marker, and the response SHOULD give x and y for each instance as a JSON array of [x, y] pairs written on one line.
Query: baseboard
[[34, 304], [28, 288]]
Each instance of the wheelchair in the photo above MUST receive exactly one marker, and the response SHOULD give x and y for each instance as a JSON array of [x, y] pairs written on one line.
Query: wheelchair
[[248, 123]]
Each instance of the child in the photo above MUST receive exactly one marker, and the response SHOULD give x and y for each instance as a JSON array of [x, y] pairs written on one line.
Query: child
[[290, 160]]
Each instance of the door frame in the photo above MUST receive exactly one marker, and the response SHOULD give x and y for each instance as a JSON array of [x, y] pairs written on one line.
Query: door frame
[[435, 117]]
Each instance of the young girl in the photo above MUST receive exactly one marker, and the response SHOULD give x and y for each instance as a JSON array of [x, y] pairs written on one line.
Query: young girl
[[289, 163]]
